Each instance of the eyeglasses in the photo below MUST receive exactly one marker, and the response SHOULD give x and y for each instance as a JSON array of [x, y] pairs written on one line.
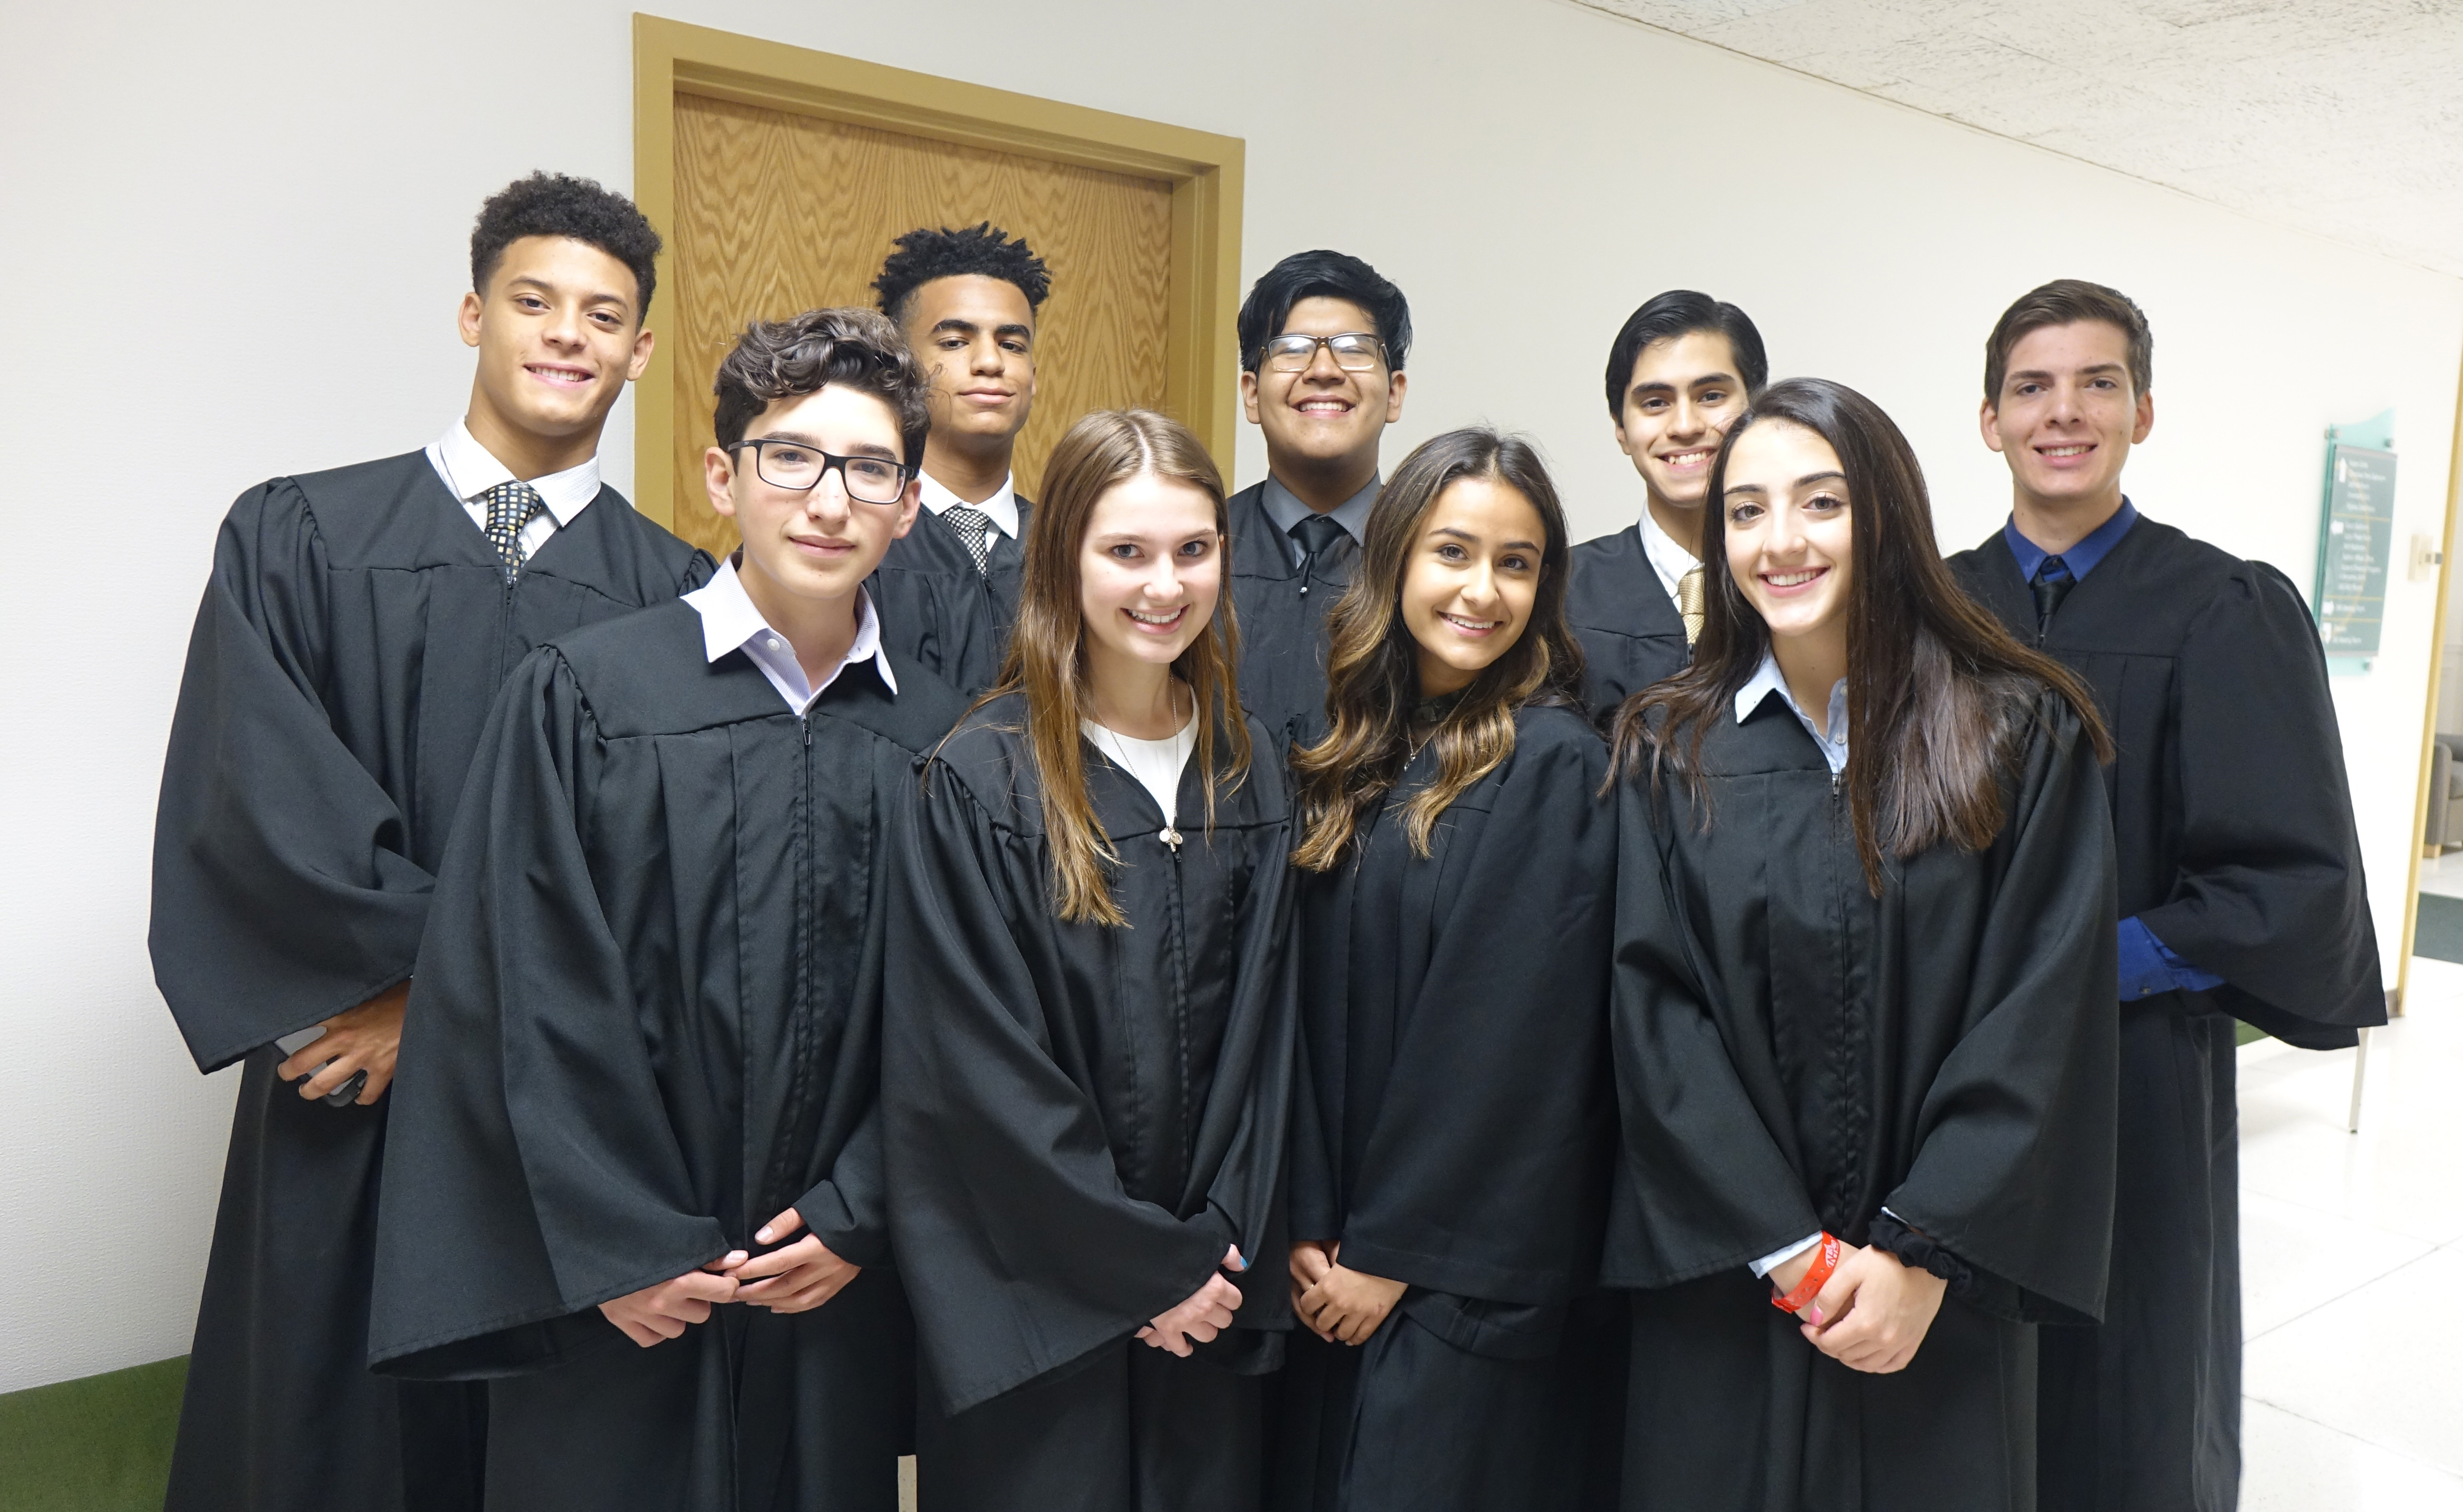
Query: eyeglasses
[[791, 464], [1354, 351]]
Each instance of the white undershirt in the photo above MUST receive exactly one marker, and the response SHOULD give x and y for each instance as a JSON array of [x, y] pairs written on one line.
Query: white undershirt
[[1155, 764], [1001, 509]]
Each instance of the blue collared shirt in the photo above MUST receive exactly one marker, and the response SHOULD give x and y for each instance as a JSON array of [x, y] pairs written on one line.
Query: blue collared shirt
[[2080, 559], [1831, 736], [2147, 966]]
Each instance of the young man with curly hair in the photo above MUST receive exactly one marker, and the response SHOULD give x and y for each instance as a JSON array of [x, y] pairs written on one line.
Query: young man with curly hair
[[355, 626], [591, 1162], [967, 301]]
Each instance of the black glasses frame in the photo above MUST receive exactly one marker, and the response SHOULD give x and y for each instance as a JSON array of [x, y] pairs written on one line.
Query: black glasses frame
[[1266, 349], [830, 462]]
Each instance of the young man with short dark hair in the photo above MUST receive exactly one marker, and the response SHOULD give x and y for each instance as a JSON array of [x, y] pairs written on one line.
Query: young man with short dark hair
[[2240, 887], [355, 626], [1680, 371], [967, 302], [642, 1074], [1323, 338]]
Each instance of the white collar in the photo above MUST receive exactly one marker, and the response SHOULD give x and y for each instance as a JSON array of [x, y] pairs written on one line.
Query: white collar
[[1767, 679], [474, 471], [729, 622], [1001, 507], [1669, 561]]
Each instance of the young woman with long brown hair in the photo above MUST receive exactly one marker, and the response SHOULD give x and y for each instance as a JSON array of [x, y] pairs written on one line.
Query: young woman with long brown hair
[[1087, 1060], [1452, 1143], [1863, 1024]]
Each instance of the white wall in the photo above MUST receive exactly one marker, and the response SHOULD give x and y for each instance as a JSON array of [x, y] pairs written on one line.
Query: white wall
[[231, 238]]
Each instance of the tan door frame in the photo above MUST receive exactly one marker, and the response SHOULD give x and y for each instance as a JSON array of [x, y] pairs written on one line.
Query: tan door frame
[[1200, 353], [2428, 715]]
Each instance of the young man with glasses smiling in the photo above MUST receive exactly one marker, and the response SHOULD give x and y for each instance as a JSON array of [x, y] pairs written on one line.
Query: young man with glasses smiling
[[666, 1101], [355, 626], [1322, 342]]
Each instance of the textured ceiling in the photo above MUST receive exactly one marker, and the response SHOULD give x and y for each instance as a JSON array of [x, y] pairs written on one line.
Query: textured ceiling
[[2343, 117]]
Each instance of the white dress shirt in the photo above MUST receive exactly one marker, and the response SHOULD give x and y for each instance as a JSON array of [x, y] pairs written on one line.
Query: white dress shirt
[[1669, 561], [729, 622], [470, 469], [1001, 509]]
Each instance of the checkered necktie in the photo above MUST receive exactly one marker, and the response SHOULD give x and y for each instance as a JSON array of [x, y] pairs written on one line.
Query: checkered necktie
[[511, 505], [974, 527]]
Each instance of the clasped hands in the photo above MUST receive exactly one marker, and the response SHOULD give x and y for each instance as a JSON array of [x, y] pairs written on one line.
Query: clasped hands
[[1202, 1317], [1872, 1312], [793, 1278], [1336, 1303]]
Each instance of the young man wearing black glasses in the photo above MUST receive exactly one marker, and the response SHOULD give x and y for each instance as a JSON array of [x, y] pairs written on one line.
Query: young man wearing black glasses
[[1680, 371], [967, 301], [354, 627], [1322, 342], [683, 811]]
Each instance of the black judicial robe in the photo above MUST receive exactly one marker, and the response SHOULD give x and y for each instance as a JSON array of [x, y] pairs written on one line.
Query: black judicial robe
[[2233, 825], [1080, 1119], [938, 613], [1283, 642], [1456, 1131], [647, 1019], [355, 625], [1792, 1053], [1630, 633]]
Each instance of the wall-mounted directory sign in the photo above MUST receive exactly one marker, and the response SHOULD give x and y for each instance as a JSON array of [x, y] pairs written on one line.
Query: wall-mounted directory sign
[[2356, 538]]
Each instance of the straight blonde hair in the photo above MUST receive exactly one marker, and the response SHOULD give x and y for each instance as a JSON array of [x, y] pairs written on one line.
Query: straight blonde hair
[[1047, 651]]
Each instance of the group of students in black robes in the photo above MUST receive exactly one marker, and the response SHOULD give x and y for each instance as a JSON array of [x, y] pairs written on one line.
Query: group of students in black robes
[[1328, 997]]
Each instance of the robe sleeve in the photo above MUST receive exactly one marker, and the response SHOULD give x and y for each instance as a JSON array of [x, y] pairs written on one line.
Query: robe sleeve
[[2013, 1170], [1485, 1175], [1017, 1241], [283, 891], [848, 1210], [531, 1170], [2271, 897], [1702, 1185]]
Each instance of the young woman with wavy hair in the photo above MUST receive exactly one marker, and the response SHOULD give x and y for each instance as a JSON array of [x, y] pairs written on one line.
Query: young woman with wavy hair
[[1452, 1144], [1087, 1060], [1863, 1025]]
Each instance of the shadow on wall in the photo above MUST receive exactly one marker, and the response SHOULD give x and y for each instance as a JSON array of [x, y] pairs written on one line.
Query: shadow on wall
[[99, 1444]]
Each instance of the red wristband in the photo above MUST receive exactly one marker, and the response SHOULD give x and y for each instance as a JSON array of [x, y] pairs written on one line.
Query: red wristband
[[1825, 1260]]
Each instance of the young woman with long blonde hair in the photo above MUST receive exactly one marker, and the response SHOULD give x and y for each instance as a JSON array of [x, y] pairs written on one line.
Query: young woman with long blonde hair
[[1088, 1052]]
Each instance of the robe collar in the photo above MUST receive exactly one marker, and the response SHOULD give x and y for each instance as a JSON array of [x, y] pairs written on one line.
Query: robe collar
[[2081, 558], [730, 621], [1767, 679], [470, 469]]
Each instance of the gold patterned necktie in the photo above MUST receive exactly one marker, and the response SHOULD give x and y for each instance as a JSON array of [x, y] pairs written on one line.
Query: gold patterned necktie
[[511, 505], [1689, 602], [974, 527]]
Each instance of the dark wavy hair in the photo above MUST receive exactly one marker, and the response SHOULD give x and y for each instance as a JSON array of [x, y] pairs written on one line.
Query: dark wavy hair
[[1373, 674], [784, 359], [1939, 695], [1680, 312], [560, 205], [2066, 301], [983, 249], [1322, 274]]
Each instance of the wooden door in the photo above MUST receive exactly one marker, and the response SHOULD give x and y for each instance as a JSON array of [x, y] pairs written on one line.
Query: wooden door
[[778, 212]]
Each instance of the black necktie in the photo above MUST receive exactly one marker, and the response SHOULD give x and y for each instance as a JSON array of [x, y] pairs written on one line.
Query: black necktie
[[1316, 535], [2052, 584], [511, 505], [974, 527]]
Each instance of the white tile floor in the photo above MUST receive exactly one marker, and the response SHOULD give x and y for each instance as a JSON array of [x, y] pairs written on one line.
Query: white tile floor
[[2352, 1266], [2443, 874]]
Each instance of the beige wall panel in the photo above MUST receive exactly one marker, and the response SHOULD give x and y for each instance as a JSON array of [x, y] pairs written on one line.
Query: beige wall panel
[[777, 213]]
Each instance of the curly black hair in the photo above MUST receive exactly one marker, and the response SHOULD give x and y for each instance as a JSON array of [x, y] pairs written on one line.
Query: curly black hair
[[560, 205], [984, 249], [784, 359]]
